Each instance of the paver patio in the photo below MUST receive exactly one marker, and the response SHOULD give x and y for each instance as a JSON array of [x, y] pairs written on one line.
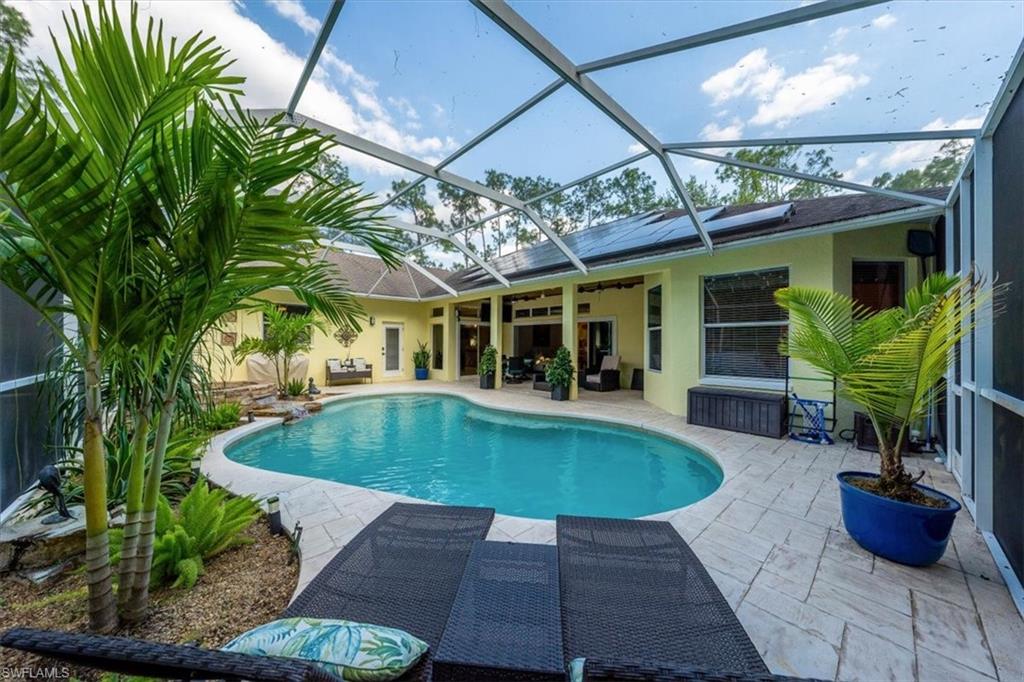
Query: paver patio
[[812, 600]]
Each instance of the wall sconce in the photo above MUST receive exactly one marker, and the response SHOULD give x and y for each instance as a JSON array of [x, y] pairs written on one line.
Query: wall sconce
[[373, 320]]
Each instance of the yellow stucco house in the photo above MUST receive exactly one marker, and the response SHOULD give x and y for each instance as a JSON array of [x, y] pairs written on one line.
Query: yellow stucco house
[[676, 316]]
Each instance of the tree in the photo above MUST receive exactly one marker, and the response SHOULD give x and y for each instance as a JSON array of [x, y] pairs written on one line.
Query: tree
[[633, 192], [466, 208], [704, 194], [753, 186], [132, 190], [941, 171], [75, 205], [889, 362], [284, 337]]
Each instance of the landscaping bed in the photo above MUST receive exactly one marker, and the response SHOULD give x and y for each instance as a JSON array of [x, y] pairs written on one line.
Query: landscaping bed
[[240, 589]]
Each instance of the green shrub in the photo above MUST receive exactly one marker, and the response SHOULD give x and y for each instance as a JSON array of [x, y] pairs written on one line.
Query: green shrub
[[174, 481], [223, 416], [295, 387], [421, 357], [560, 371], [488, 361], [207, 523]]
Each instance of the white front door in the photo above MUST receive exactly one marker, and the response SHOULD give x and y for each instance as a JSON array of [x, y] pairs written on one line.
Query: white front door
[[393, 350]]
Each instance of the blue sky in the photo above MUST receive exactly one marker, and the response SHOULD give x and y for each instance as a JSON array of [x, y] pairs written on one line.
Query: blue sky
[[424, 77]]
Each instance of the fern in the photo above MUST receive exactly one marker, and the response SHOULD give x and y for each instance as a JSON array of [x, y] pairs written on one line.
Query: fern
[[207, 523]]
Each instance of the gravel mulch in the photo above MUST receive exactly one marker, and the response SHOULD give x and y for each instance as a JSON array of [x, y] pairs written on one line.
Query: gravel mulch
[[240, 589]]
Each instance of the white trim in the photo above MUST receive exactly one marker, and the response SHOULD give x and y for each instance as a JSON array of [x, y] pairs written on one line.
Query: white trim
[[812, 12], [808, 177], [1012, 81], [953, 134], [648, 329], [741, 382], [12, 384], [1013, 584], [384, 327], [1004, 400], [983, 345]]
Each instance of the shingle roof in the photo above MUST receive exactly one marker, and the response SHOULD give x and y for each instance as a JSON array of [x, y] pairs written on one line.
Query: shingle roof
[[621, 241]]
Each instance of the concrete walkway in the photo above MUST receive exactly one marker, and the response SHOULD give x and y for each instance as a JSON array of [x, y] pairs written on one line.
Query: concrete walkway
[[815, 603]]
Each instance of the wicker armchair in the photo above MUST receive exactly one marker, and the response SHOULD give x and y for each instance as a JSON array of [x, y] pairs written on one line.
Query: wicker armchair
[[604, 377]]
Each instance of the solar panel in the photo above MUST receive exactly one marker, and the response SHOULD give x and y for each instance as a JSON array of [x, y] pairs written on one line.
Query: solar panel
[[632, 233]]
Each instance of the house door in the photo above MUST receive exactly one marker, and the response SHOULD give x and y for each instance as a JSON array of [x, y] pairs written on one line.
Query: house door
[[392, 350]]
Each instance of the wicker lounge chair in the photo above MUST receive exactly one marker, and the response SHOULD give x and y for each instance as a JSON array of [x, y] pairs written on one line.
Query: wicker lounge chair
[[403, 570], [638, 604], [604, 377]]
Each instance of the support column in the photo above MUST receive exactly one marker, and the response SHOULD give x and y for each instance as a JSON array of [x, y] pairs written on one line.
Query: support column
[[496, 335], [570, 334], [451, 343]]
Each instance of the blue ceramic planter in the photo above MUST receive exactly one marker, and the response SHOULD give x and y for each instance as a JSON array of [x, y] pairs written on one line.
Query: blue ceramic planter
[[899, 531], [422, 373]]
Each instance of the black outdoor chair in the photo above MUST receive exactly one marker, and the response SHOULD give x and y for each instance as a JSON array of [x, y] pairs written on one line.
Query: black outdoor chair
[[604, 377], [515, 371]]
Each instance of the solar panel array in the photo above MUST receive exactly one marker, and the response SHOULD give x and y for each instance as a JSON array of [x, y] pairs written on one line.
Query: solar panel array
[[626, 235]]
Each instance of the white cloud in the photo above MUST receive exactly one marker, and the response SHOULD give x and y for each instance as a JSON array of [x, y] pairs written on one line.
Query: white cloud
[[338, 94], [296, 13], [404, 107], [636, 148], [883, 21], [810, 90], [839, 34], [783, 98], [730, 131], [753, 74], [911, 154]]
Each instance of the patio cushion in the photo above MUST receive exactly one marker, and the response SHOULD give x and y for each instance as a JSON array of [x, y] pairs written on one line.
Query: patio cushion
[[360, 364], [593, 378], [351, 651], [609, 362], [334, 365]]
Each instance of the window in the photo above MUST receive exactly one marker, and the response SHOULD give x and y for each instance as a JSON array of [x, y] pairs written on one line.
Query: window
[[288, 310], [743, 325], [878, 285], [437, 312], [522, 312], [654, 329], [437, 340]]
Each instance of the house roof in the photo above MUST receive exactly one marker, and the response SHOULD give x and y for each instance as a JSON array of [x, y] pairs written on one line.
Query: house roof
[[624, 240]]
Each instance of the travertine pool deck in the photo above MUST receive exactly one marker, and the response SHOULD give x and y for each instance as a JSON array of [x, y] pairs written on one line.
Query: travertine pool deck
[[815, 603]]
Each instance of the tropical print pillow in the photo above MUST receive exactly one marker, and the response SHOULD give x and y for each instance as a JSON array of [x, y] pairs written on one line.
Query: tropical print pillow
[[351, 651]]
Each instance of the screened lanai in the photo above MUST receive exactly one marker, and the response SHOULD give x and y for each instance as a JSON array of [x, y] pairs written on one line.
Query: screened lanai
[[543, 88]]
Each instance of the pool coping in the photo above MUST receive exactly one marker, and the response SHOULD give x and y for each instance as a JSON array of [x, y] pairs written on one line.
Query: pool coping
[[365, 504]]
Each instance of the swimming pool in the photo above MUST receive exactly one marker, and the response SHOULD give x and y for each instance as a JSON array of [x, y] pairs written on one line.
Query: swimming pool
[[447, 449]]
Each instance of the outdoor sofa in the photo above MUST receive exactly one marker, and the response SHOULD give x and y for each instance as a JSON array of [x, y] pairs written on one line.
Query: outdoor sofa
[[337, 372], [628, 596]]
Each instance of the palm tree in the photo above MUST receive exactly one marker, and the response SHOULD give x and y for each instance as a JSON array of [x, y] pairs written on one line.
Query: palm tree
[[284, 337], [238, 216], [888, 362], [72, 187], [140, 201]]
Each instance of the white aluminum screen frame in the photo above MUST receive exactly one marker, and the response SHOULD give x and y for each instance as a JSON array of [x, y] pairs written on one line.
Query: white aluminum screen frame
[[575, 75]]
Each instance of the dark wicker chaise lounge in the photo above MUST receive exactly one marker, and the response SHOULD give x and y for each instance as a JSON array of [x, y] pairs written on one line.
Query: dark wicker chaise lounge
[[638, 604], [403, 570]]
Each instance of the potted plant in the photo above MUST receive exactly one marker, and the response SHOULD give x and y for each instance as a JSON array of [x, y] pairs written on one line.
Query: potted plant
[[421, 360], [560, 374], [488, 366], [890, 363]]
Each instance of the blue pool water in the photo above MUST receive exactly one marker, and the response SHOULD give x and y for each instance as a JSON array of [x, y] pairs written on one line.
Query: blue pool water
[[446, 449]]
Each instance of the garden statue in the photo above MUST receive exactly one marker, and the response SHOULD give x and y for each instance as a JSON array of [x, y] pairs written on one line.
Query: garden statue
[[312, 390], [49, 480]]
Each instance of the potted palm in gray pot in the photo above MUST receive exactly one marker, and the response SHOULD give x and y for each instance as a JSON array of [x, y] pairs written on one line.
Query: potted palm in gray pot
[[488, 366], [890, 363], [560, 374]]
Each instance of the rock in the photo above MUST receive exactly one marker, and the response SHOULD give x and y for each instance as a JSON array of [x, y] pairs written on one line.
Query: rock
[[273, 411], [41, 576], [313, 406], [31, 544]]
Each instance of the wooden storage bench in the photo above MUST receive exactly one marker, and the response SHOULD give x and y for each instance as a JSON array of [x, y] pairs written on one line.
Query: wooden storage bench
[[756, 412]]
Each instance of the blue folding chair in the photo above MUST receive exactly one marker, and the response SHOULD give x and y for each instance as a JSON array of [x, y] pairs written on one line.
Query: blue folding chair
[[813, 421]]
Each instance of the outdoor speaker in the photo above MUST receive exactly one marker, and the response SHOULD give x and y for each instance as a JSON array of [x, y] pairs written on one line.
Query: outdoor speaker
[[921, 243]]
